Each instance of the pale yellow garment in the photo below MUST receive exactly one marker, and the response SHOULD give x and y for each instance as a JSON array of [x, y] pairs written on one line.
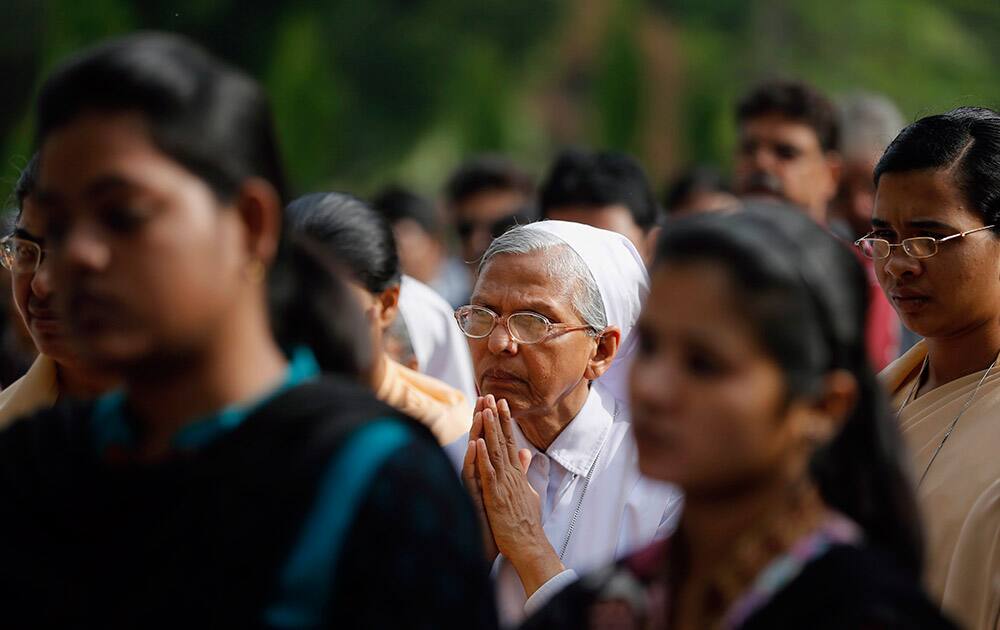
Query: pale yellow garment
[[38, 389], [443, 409], [960, 497]]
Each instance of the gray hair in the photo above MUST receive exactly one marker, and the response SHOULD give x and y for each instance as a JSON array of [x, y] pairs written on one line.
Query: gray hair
[[561, 261], [868, 123]]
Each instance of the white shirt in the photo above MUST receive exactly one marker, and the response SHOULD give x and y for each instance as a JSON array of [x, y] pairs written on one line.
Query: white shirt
[[617, 511], [442, 351]]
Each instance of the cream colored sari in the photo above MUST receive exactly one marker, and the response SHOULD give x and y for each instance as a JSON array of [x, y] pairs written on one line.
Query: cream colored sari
[[960, 496]]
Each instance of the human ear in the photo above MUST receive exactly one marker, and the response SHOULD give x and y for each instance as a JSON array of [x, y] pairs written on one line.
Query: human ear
[[604, 353], [260, 210], [828, 412], [387, 307]]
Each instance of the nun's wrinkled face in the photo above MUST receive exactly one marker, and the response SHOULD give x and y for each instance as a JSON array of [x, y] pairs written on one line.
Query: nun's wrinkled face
[[539, 379]]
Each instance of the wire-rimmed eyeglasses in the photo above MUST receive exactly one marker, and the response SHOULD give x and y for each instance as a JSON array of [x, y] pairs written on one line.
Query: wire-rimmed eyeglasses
[[20, 255], [478, 322], [916, 247]]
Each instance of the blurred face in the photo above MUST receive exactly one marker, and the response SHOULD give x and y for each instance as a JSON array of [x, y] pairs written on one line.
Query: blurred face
[[33, 295], [707, 402], [782, 158], [419, 252], [616, 218], [145, 263], [539, 377], [475, 216], [956, 290], [855, 198]]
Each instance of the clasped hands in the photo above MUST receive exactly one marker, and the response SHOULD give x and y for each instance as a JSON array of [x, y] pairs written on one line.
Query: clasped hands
[[495, 473]]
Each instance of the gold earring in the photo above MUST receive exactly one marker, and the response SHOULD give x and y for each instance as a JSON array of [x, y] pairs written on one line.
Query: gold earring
[[256, 271]]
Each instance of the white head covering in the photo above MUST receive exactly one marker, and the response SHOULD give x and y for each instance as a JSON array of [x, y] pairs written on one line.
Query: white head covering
[[622, 281], [439, 346]]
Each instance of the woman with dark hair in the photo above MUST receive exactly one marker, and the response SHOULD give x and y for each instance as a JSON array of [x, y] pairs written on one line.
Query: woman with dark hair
[[751, 391], [225, 484], [362, 240], [936, 250], [57, 372]]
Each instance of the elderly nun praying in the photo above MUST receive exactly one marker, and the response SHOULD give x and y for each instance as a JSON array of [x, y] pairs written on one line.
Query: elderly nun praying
[[550, 460]]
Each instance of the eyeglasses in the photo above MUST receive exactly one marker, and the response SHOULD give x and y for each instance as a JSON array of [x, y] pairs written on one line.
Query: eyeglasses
[[916, 247], [20, 255], [478, 322]]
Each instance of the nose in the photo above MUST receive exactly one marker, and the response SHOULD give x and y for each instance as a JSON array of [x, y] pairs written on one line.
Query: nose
[[656, 384], [899, 264], [83, 248], [500, 341], [41, 281]]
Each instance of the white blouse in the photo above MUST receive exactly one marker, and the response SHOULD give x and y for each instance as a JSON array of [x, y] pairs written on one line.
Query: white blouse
[[596, 507]]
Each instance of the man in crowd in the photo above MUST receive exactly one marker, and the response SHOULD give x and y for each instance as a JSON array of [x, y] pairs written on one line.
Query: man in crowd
[[788, 139], [483, 192], [607, 190], [868, 123], [423, 254]]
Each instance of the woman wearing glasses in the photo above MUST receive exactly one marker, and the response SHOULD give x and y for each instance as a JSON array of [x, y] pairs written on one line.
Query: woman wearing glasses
[[937, 256], [57, 372], [550, 460]]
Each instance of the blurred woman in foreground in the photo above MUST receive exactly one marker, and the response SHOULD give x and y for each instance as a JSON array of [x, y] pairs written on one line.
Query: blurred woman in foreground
[[751, 391], [226, 484]]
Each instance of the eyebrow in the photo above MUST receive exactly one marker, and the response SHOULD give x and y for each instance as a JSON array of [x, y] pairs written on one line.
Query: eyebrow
[[103, 185], [916, 223], [28, 236], [535, 306]]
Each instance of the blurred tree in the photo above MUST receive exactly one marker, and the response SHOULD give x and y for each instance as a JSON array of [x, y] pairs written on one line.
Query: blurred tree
[[370, 91]]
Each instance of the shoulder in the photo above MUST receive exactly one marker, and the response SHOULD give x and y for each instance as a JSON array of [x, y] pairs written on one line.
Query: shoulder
[[851, 587], [899, 372], [37, 389]]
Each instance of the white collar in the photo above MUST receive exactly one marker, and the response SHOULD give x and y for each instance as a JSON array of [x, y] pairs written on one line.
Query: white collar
[[577, 447]]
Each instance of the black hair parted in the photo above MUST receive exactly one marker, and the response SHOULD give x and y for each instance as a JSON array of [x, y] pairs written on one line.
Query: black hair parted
[[357, 236], [208, 116], [964, 141], [804, 294], [600, 179], [796, 101]]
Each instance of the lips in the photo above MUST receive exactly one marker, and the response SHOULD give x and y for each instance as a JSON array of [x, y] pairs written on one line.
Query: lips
[[908, 300], [91, 311], [497, 374]]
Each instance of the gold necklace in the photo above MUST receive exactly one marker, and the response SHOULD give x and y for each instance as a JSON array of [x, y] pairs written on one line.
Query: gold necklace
[[954, 423]]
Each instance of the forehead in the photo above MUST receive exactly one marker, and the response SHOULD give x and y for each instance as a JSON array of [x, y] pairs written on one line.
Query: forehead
[[515, 282], [779, 128], [696, 300], [98, 146], [924, 195]]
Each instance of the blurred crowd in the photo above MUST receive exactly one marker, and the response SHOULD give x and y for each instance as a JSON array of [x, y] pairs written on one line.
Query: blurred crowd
[[562, 399]]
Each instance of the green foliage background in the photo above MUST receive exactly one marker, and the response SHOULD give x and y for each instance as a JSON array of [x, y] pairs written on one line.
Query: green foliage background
[[368, 91]]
